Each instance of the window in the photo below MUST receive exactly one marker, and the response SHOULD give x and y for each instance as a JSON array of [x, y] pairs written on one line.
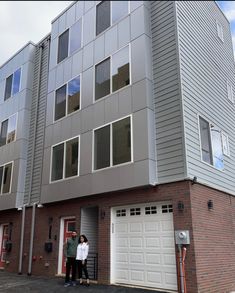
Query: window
[[75, 37], [67, 98], [102, 16], [104, 83], [12, 84], [167, 208], [5, 178], [63, 46], [112, 144], [65, 159], [70, 41], [230, 91], [211, 144], [109, 12], [121, 213], [8, 130], [135, 212], [220, 31], [150, 210]]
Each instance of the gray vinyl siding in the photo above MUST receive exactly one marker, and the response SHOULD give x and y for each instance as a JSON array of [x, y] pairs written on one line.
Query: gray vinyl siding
[[37, 125], [206, 63], [167, 97]]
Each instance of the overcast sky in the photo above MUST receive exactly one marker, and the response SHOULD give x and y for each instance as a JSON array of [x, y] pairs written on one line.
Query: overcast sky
[[23, 21]]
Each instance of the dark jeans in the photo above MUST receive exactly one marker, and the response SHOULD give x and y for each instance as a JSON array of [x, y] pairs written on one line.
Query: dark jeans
[[83, 268], [70, 264]]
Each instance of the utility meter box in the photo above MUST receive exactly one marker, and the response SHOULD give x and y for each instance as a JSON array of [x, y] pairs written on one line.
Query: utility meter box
[[182, 237]]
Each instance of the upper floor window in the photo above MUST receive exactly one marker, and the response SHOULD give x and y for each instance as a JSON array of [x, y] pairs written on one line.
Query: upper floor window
[[211, 144], [220, 30], [65, 158], [112, 74], [109, 12], [67, 98], [69, 41], [8, 130], [5, 178], [12, 84], [230, 91], [112, 144]]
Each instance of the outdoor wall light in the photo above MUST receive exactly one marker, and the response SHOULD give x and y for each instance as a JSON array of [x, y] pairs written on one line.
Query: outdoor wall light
[[180, 206], [210, 204], [102, 214], [194, 180]]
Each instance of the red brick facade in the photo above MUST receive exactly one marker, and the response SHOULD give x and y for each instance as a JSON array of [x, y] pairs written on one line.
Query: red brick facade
[[210, 260]]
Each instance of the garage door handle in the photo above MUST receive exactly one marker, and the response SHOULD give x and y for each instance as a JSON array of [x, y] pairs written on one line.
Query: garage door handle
[[112, 227]]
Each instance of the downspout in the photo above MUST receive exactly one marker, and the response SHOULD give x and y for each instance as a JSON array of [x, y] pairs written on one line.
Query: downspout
[[32, 164], [21, 240], [31, 240]]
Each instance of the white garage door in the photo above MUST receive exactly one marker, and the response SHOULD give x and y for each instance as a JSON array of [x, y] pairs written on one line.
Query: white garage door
[[142, 246]]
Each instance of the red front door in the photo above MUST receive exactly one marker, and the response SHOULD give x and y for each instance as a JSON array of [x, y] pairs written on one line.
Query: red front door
[[3, 251], [69, 227]]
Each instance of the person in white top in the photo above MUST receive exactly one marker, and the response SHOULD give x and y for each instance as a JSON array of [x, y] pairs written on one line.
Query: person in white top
[[82, 253]]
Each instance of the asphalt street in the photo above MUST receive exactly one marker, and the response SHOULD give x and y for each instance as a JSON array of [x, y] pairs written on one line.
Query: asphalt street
[[14, 283]]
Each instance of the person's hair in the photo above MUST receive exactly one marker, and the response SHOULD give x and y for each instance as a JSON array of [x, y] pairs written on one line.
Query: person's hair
[[85, 239]]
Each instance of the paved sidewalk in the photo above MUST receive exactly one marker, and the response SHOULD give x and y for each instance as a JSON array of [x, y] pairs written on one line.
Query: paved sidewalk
[[13, 283]]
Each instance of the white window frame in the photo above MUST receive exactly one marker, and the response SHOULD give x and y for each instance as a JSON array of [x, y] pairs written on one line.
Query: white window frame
[[66, 102], [111, 83], [64, 160], [212, 148], [230, 92], [11, 162], [7, 127], [220, 32], [111, 145], [111, 18], [11, 96], [69, 29]]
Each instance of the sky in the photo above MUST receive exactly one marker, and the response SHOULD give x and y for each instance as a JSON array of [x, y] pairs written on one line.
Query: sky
[[24, 21]]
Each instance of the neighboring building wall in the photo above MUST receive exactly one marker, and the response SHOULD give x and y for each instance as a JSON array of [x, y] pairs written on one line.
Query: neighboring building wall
[[19, 103], [37, 124], [134, 99], [206, 64], [167, 95]]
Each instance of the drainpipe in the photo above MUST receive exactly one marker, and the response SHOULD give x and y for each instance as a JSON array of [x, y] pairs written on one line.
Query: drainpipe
[[31, 239], [21, 240]]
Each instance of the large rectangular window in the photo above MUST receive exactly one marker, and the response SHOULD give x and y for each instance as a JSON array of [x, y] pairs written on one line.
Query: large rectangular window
[[211, 144], [112, 144], [5, 178], [8, 130], [109, 12], [63, 46], [65, 158], [112, 74], [67, 98], [12, 86]]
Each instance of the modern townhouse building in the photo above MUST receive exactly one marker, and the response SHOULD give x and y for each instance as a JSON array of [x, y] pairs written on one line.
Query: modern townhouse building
[[119, 124]]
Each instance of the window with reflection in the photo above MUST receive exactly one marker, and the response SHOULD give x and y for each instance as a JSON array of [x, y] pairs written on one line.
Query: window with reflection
[[12, 86], [63, 45], [118, 66], [120, 69], [8, 130], [5, 178], [60, 102], [116, 137], [102, 16], [211, 144], [102, 79], [65, 159], [74, 95], [75, 37]]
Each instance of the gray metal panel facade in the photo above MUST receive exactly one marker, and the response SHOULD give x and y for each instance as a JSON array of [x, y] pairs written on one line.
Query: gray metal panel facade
[[206, 64], [20, 103], [135, 99], [37, 124], [167, 96]]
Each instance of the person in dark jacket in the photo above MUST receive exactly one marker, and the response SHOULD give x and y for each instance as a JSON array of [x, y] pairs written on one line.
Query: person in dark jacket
[[70, 251]]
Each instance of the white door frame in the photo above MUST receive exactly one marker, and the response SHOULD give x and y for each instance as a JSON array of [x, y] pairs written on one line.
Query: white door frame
[[61, 243]]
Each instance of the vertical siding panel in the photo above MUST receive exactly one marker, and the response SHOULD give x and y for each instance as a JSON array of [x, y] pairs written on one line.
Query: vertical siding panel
[[167, 97]]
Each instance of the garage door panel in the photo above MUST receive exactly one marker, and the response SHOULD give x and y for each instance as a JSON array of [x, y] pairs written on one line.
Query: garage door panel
[[144, 247]]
